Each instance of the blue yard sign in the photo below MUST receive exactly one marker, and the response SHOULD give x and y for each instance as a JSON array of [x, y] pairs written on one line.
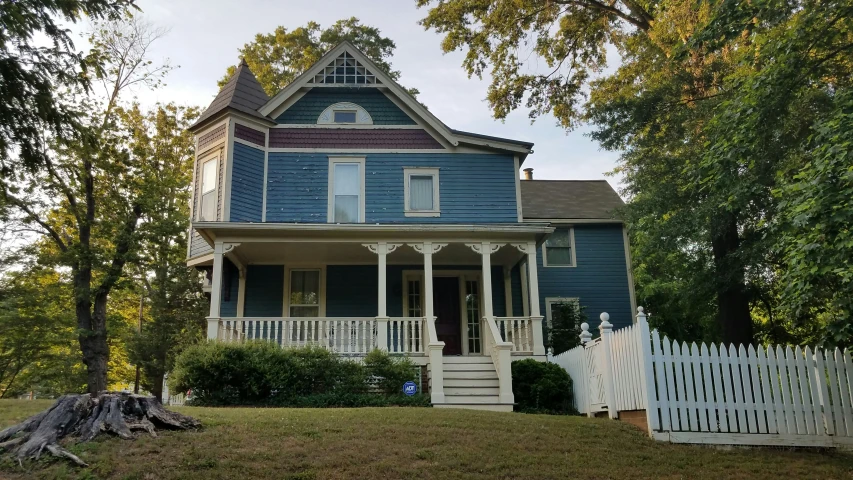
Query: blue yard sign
[[410, 388]]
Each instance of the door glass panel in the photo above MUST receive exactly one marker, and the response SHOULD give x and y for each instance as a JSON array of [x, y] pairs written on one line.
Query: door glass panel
[[414, 300], [472, 311]]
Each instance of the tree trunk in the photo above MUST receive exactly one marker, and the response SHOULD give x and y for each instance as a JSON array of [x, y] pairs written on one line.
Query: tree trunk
[[733, 313], [87, 416]]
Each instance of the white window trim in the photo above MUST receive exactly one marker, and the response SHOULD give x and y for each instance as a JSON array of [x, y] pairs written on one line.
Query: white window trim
[[571, 245], [436, 201], [327, 117], [322, 293], [552, 300], [330, 213], [210, 158]]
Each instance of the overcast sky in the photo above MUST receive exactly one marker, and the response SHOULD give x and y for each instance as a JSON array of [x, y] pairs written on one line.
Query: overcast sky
[[204, 38]]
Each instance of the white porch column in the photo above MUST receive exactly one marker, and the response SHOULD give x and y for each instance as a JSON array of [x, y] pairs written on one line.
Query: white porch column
[[215, 292], [382, 249], [529, 249], [241, 294], [508, 292], [435, 347]]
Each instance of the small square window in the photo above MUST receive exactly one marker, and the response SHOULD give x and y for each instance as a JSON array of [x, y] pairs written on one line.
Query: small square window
[[421, 191], [344, 116]]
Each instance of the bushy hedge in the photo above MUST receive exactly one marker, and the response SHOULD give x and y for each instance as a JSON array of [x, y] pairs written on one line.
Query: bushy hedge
[[261, 373], [541, 387]]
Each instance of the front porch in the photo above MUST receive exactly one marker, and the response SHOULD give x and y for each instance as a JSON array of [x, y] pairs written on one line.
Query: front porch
[[465, 294]]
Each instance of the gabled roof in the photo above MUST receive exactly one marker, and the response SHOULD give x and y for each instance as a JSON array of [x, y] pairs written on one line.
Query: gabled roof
[[569, 199], [242, 93]]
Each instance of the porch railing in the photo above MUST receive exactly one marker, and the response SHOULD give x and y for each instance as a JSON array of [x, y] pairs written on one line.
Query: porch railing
[[518, 331], [343, 335], [499, 350]]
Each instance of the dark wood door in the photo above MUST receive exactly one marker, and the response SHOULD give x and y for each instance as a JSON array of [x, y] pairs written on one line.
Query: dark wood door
[[446, 300]]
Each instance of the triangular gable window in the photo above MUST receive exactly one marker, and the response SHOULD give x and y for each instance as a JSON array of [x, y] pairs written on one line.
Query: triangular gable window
[[345, 70]]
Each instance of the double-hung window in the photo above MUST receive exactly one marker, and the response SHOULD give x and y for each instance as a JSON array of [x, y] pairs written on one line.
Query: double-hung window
[[559, 250], [421, 191], [304, 299], [346, 190], [207, 211]]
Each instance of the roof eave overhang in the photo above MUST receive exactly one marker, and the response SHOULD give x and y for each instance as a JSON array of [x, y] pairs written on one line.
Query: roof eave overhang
[[224, 112], [227, 231], [571, 221]]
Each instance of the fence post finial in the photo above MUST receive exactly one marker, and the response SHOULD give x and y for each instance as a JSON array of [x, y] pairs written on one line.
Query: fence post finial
[[605, 322], [641, 315], [585, 335]]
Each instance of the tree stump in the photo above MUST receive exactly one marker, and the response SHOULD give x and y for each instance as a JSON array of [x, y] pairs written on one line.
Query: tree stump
[[85, 417]]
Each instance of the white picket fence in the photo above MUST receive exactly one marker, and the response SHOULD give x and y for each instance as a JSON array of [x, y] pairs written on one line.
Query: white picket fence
[[715, 393]]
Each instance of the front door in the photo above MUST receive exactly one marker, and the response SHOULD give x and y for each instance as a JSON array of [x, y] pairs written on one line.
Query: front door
[[446, 295]]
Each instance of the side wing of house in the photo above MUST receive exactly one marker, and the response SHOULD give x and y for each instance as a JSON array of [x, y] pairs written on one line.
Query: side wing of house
[[587, 257]]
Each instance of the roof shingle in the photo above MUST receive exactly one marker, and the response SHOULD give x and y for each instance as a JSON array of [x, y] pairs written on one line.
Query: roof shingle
[[569, 199], [243, 93]]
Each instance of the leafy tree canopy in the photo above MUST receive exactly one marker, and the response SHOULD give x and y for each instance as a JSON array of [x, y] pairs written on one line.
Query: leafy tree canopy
[[279, 57]]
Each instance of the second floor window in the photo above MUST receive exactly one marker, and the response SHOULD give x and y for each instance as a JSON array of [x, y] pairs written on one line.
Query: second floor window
[[346, 190], [421, 192], [207, 211]]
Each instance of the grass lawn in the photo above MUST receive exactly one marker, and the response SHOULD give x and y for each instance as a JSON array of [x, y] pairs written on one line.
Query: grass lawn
[[247, 443]]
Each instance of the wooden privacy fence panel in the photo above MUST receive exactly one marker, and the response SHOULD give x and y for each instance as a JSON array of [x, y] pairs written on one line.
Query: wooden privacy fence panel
[[725, 394]]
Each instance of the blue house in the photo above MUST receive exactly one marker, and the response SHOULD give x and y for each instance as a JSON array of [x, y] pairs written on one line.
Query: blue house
[[342, 213]]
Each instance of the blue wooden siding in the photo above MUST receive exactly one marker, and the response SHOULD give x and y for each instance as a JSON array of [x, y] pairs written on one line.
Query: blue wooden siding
[[198, 245], [382, 110], [351, 290], [230, 288], [515, 286], [600, 278], [264, 291], [247, 184], [474, 188], [297, 187]]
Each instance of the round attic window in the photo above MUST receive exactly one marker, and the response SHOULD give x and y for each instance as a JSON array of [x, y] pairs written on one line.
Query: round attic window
[[344, 113]]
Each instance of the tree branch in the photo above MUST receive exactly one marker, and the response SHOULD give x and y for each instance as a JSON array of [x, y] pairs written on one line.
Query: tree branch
[[125, 239], [640, 23], [49, 231]]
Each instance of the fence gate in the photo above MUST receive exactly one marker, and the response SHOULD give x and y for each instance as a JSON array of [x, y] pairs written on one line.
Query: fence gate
[[595, 375]]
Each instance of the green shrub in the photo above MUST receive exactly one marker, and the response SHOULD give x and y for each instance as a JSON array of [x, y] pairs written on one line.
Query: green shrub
[[541, 387], [262, 373], [390, 373]]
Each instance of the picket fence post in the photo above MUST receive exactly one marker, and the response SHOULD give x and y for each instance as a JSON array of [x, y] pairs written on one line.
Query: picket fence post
[[606, 329], [647, 372]]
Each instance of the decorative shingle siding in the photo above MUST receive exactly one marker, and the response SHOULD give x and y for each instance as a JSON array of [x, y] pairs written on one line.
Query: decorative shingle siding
[[249, 134], [600, 278], [352, 138], [297, 186], [211, 138], [264, 291], [474, 188], [307, 109], [198, 245], [247, 183]]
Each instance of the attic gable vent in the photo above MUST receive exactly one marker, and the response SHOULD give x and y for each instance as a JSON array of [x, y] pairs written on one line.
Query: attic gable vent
[[345, 70]]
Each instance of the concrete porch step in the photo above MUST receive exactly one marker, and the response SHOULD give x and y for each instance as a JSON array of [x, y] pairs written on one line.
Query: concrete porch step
[[470, 390], [469, 367], [467, 359], [494, 407], [460, 381], [471, 398]]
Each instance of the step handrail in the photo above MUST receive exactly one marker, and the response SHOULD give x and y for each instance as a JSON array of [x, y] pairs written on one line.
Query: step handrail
[[500, 351]]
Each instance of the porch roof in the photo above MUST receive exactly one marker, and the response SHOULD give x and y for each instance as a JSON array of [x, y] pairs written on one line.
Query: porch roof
[[237, 231], [343, 243]]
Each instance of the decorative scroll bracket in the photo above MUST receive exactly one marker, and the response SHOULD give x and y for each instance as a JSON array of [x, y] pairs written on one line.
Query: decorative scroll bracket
[[382, 247], [427, 247], [485, 247], [522, 247]]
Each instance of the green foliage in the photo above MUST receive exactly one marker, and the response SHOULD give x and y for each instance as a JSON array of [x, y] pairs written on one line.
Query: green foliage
[[731, 119], [566, 320], [279, 57], [261, 373], [541, 387]]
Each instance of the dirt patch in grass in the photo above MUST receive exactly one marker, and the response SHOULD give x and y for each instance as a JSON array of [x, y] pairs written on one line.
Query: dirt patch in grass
[[412, 443]]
